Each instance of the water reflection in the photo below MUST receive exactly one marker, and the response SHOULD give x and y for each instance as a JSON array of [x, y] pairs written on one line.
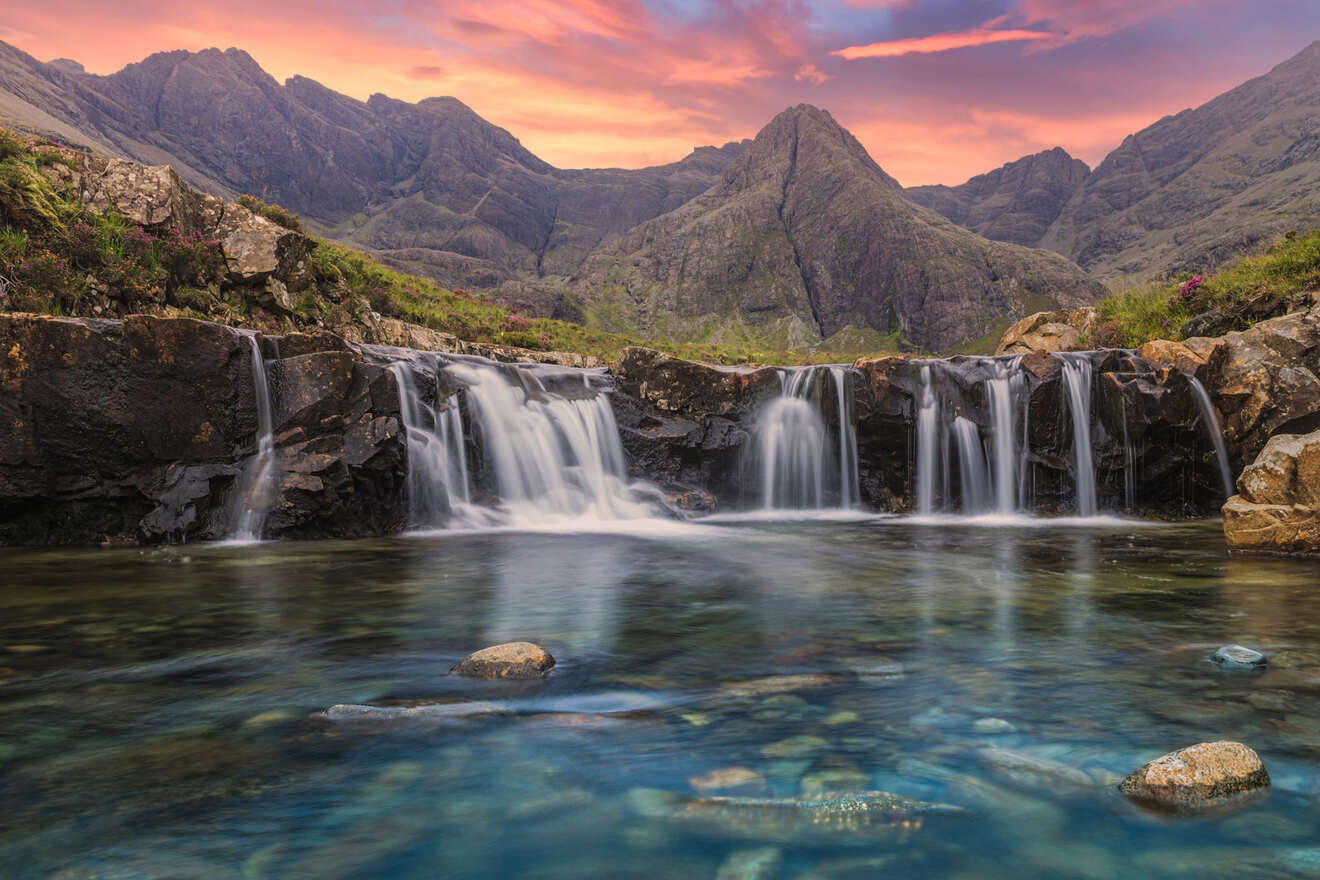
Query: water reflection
[[158, 708]]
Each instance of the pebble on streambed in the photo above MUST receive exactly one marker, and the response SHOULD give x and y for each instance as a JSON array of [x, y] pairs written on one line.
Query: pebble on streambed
[[1238, 657], [511, 660], [1198, 777]]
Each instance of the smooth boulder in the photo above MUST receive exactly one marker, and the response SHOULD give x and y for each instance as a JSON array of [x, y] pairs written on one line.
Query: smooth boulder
[[1199, 776], [511, 660]]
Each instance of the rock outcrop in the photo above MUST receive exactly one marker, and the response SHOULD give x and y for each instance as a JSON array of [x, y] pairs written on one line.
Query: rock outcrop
[[140, 429], [1277, 507], [1197, 777], [1049, 331], [1263, 381]]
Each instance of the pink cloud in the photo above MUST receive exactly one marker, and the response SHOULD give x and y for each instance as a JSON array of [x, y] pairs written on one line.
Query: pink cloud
[[939, 43]]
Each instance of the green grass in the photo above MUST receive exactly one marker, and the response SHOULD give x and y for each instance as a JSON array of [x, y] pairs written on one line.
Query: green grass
[[1245, 291]]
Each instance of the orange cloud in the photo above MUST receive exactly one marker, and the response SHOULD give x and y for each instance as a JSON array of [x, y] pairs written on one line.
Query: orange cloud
[[939, 43]]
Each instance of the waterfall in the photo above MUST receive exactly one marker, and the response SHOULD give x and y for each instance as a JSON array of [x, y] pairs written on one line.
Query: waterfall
[[929, 437], [437, 456], [1211, 420], [972, 474], [1077, 376], [258, 490], [550, 456], [792, 446], [1004, 392]]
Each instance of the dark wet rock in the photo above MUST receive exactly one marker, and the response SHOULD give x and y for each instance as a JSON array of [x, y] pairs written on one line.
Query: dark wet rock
[[511, 660], [751, 864], [1210, 323], [837, 818], [1236, 656], [140, 428], [1198, 776]]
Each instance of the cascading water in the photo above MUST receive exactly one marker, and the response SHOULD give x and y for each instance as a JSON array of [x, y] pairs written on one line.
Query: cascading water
[[792, 445], [1077, 377], [257, 488], [438, 485], [991, 475], [1211, 420], [550, 456]]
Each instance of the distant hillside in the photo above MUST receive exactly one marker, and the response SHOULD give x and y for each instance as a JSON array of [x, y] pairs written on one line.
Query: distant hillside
[[430, 186], [1197, 189], [1015, 203], [804, 238]]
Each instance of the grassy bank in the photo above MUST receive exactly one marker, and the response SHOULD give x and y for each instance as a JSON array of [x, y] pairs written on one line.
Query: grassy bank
[[1246, 291]]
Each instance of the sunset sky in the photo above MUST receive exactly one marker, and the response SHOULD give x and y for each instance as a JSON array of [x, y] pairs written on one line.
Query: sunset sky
[[937, 91]]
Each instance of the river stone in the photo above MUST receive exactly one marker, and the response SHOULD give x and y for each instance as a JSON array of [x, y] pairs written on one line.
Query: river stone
[[511, 660], [1239, 657], [752, 864], [1198, 776], [728, 779]]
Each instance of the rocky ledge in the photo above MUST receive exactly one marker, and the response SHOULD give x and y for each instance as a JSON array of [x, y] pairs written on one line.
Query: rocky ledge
[[1277, 507]]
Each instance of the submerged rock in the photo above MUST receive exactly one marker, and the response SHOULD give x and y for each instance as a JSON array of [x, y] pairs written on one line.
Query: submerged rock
[[424, 712], [1239, 657], [728, 779], [862, 817], [510, 660], [1198, 776], [751, 864]]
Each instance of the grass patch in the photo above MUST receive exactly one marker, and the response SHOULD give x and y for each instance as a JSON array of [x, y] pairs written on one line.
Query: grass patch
[[1246, 291]]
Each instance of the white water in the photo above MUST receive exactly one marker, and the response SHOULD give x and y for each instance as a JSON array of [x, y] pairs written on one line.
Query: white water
[[1077, 376], [438, 485], [551, 458], [1004, 391], [1211, 420], [929, 436], [792, 445], [258, 491], [972, 474]]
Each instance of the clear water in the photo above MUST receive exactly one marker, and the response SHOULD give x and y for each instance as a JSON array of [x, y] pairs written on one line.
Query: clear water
[[158, 707]]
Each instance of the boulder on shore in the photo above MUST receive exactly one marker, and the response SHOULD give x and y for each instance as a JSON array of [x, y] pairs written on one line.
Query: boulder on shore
[[1277, 507], [1199, 776], [1049, 331], [511, 660]]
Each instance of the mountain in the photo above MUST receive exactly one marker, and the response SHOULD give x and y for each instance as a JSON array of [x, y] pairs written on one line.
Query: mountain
[[1015, 203], [1195, 189], [805, 237], [429, 186]]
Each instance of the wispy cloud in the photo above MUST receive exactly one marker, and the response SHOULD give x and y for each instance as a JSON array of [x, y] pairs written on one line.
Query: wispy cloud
[[939, 43]]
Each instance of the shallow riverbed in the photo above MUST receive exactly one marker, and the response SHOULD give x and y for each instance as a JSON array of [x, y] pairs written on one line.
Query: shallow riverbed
[[159, 707]]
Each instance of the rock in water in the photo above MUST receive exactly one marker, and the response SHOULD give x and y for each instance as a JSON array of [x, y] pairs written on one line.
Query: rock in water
[[751, 864], [1199, 776], [835, 818], [1239, 657], [511, 660]]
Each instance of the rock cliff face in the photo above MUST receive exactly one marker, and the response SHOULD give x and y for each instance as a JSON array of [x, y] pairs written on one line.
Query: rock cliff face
[[1015, 203], [139, 429], [805, 237]]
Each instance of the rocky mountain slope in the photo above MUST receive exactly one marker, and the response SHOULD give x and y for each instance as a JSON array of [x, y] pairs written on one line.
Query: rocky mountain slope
[[1195, 189], [430, 186], [1183, 195], [806, 237], [1015, 203]]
